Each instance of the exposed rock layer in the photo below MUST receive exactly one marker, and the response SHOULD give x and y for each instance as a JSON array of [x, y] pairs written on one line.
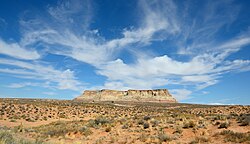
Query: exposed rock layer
[[158, 95]]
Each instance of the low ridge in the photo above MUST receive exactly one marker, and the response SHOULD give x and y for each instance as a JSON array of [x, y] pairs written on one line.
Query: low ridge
[[157, 95]]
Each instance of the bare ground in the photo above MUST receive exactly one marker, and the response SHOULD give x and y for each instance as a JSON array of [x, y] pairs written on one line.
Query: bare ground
[[54, 121]]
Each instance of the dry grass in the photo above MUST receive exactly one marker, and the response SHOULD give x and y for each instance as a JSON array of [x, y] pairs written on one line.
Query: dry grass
[[201, 139], [107, 122], [236, 137], [8, 137]]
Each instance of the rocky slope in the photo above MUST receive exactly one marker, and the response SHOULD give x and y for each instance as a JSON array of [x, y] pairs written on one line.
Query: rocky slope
[[158, 95]]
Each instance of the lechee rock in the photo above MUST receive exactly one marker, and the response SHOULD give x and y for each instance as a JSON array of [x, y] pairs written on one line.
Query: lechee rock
[[157, 95]]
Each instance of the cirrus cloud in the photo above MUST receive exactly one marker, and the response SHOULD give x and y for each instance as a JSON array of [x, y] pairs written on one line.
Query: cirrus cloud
[[199, 56]]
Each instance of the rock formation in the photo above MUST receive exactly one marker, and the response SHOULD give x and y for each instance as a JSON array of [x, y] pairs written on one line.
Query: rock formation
[[158, 95]]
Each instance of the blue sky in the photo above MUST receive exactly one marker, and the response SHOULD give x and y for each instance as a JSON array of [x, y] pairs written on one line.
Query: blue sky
[[199, 50]]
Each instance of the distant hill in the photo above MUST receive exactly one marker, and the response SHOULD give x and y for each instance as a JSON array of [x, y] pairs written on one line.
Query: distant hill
[[157, 95]]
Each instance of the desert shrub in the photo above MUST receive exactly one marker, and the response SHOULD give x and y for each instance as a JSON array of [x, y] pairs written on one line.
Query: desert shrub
[[86, 131], [140, 122], [235, 137], [102, 121], [154, 123], [45, 118], [245, 120], [146, 125], [30, 120], [98, 122], [143, 137], [217, 123], [164, 137], [91, 123], [122, 120], [62, 116], [224, 125], [125, 126], [219, 117], [6, 137], [24, 141], [12, 120], [18, 128], [189, 124], [15, 117], [178, 130], [146, 118], [200, 140], [56, 129], [108, 129]]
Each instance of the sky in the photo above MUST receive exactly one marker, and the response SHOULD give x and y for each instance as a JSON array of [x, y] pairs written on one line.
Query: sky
[[198, 50]]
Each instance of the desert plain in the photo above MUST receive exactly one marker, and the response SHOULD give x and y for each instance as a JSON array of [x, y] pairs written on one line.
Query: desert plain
[[35, 121]]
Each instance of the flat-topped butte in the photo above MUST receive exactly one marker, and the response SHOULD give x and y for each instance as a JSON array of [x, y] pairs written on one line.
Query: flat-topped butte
[[157, 95]]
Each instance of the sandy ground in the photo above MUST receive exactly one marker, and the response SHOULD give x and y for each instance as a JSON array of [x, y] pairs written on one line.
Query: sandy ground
[[71, 122]]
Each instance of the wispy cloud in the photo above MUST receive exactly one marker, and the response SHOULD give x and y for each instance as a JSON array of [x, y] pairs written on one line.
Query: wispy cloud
[[21, 85], [67, 31], [83, 44], [208, 58], [73, 13], [201, 29], [60, 79], [181, 94], [17, 51], [49, 93], [201, 71]]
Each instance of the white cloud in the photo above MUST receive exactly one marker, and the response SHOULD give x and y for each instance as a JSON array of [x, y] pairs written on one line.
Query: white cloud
[[201, 71], [49, 93], [196, 78], [153, 67], [158, 19], [89, 47], [235, 44], [64, 79], [181, 94], [73, 13], [66, 31], [114, 85], [205, 92], [16, 51], [200, 31], [219, 104], [21, 85]]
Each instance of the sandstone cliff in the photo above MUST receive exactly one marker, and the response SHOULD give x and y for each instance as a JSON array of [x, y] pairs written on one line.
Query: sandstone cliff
[[158, 95]]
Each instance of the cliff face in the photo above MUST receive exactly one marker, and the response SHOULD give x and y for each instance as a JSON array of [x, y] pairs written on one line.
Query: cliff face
[[158, 95]]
